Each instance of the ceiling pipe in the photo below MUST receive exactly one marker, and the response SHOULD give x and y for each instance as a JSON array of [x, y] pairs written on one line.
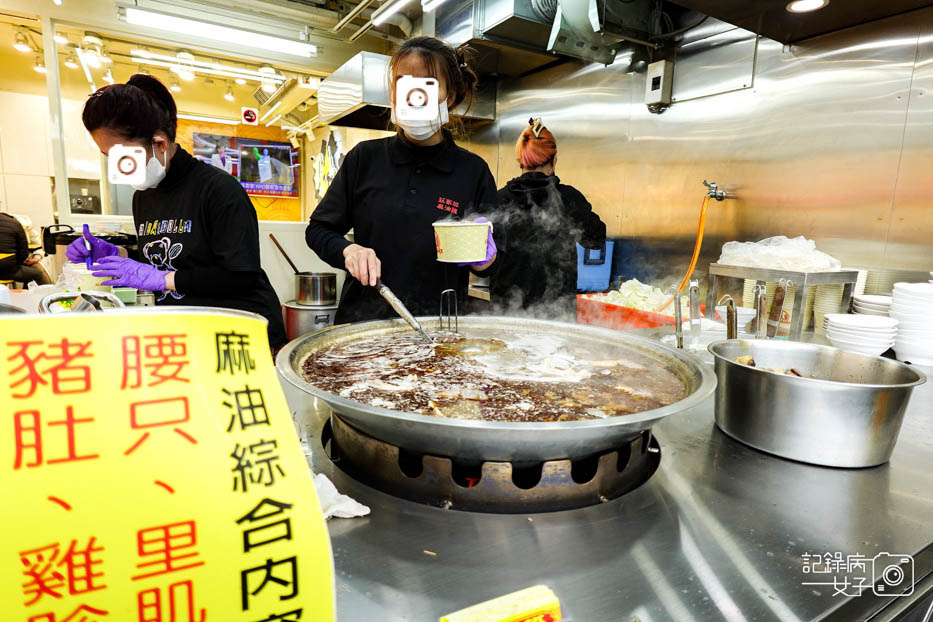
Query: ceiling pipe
[[349, 17]]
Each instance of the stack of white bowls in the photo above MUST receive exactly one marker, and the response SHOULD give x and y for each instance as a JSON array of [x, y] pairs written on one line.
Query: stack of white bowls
[[866, 334], [912, 306], [871, 304]]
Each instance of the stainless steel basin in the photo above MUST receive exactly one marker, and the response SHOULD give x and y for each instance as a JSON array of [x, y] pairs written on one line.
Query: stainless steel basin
[[489, 440], [849, 417]]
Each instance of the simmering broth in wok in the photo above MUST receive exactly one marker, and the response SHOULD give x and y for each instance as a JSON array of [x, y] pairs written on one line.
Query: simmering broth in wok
[[533, 378]]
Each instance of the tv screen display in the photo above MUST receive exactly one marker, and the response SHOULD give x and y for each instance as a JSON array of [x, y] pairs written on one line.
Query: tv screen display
[[263, 167]]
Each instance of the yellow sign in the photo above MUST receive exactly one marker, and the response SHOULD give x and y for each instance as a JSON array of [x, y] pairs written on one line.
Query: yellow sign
[[151, 473]]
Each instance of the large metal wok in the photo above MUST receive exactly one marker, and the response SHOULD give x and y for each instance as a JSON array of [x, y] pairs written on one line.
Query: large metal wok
[[493, 440]]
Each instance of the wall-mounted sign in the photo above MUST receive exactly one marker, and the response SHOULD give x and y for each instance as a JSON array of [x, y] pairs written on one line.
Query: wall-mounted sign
[[249, 116], [151, 472]]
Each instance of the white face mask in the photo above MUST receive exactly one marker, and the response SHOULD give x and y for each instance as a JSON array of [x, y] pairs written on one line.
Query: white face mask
[[155, 172], [423, 129]]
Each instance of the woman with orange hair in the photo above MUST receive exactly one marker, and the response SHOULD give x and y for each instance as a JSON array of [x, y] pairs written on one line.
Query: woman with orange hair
[[543, 221]]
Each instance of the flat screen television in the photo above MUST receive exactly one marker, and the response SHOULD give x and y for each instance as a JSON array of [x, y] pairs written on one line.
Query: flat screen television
[[263, 167]]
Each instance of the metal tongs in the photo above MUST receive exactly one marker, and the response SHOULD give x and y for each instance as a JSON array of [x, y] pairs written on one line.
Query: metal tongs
[[401, 309], [678, 318], [732, 318]]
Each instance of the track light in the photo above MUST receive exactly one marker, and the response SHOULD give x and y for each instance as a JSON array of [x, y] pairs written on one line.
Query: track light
[[60, 39], [20, 43], [174, 85], [92, 51], [108, 76], [72, 61], [240, 81], [229, 94], [104, 57], [40, 66]]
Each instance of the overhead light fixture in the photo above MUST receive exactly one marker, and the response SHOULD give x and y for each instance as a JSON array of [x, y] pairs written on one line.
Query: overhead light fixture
[[229, 94], [72, 61], [273, 120], [40, 66], [197, 117], [60, 38], [174, 85], [108, 76], [104, 57], [387, 10], [224, 34], [144, 71], [57, 2], [217, 69], [806, 6], [240, 81], [268, 86], [270, 111], [84, 67], [92, 50], [20, 43], [309, 83], [429, 5], [183, 68]]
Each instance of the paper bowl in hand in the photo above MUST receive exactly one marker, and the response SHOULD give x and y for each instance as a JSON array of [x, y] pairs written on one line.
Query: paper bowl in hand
[[461, 241]]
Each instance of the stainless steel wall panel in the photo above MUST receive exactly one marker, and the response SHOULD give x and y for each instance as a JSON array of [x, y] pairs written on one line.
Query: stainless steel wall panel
[[813, 148]]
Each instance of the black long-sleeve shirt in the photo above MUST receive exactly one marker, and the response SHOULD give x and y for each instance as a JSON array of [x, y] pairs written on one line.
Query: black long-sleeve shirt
[[543, 221], [13, 243], [200, 223], [389, 192]]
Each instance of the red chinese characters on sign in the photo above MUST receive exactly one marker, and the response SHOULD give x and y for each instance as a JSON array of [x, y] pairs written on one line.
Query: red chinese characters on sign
[[167, 548], [82, 613], [29, 440], [59, 364], [159, 413], [155, 358], [163, 605], [49, 572]]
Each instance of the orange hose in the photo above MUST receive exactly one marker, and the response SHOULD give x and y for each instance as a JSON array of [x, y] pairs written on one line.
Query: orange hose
[[696, 254]]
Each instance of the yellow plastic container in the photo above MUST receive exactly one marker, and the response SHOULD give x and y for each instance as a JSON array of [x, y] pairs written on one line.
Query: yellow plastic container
[[461, 241]]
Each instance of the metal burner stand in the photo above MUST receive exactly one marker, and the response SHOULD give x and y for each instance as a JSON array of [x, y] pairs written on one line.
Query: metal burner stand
[[494, 487]]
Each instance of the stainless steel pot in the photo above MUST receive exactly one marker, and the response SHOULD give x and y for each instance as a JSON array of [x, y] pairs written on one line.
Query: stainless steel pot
[[303, 319], [849, 417], [494, 440], [316, 288]]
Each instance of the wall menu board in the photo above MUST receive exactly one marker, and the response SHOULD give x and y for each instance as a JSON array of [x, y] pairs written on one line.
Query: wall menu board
[[152, 473], [263, 167]]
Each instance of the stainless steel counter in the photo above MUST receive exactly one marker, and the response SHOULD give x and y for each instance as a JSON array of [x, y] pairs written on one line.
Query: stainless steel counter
[[718, 533]]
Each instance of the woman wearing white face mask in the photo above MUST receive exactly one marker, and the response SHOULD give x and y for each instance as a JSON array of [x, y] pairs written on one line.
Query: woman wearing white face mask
[[391, 190], [198, 234]]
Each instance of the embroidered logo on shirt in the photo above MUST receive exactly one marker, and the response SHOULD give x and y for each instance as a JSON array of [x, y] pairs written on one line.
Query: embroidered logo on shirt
[[448, 205]]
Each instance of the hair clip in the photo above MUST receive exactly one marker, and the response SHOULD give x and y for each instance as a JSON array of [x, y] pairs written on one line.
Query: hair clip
[[536, 126]]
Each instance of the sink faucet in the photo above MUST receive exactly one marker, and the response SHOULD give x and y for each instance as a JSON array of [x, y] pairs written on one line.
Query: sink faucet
[[714, 191]]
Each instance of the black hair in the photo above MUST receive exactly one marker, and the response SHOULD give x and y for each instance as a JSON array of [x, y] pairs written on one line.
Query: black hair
[[453, 65], [135, 110]]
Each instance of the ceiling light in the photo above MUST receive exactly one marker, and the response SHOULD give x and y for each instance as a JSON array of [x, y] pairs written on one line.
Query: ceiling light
[[60, 38], [217, 69], [240, 81], [429, 5], [267, 85], [20, 43], [183, 67], [805, 6], [104, 57], [57, 2], [229, 94], [72, 61], [108, 76], [40, 66], [224, 34], [270, 111], [197, 117], [273, 120], [387, 10], [174, 85]]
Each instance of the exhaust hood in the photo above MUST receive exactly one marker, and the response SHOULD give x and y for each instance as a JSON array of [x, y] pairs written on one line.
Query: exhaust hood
[[356, 95]]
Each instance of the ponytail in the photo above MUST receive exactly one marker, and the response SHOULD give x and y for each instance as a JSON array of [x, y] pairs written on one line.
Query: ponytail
[[135, 110]]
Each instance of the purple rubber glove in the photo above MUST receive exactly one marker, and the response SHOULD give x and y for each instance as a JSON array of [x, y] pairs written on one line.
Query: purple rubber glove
[[77, 251], [491, 249], [124, 272]]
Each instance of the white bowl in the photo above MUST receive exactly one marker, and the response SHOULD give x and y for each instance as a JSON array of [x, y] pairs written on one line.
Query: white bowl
[[861, 321], [870, 334], [911, 310], [913, 299], [873, 350], [743, 315], [885, 342], [914, 289], [911, 354], [868, 305], [875, 313], [872, 299], [915, 324]]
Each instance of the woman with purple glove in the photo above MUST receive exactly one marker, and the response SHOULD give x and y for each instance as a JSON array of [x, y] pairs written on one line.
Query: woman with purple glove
[[197, 231], [390, 191]]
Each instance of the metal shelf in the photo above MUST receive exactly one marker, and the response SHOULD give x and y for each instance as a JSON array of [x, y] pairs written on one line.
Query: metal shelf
[[801, 280]]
